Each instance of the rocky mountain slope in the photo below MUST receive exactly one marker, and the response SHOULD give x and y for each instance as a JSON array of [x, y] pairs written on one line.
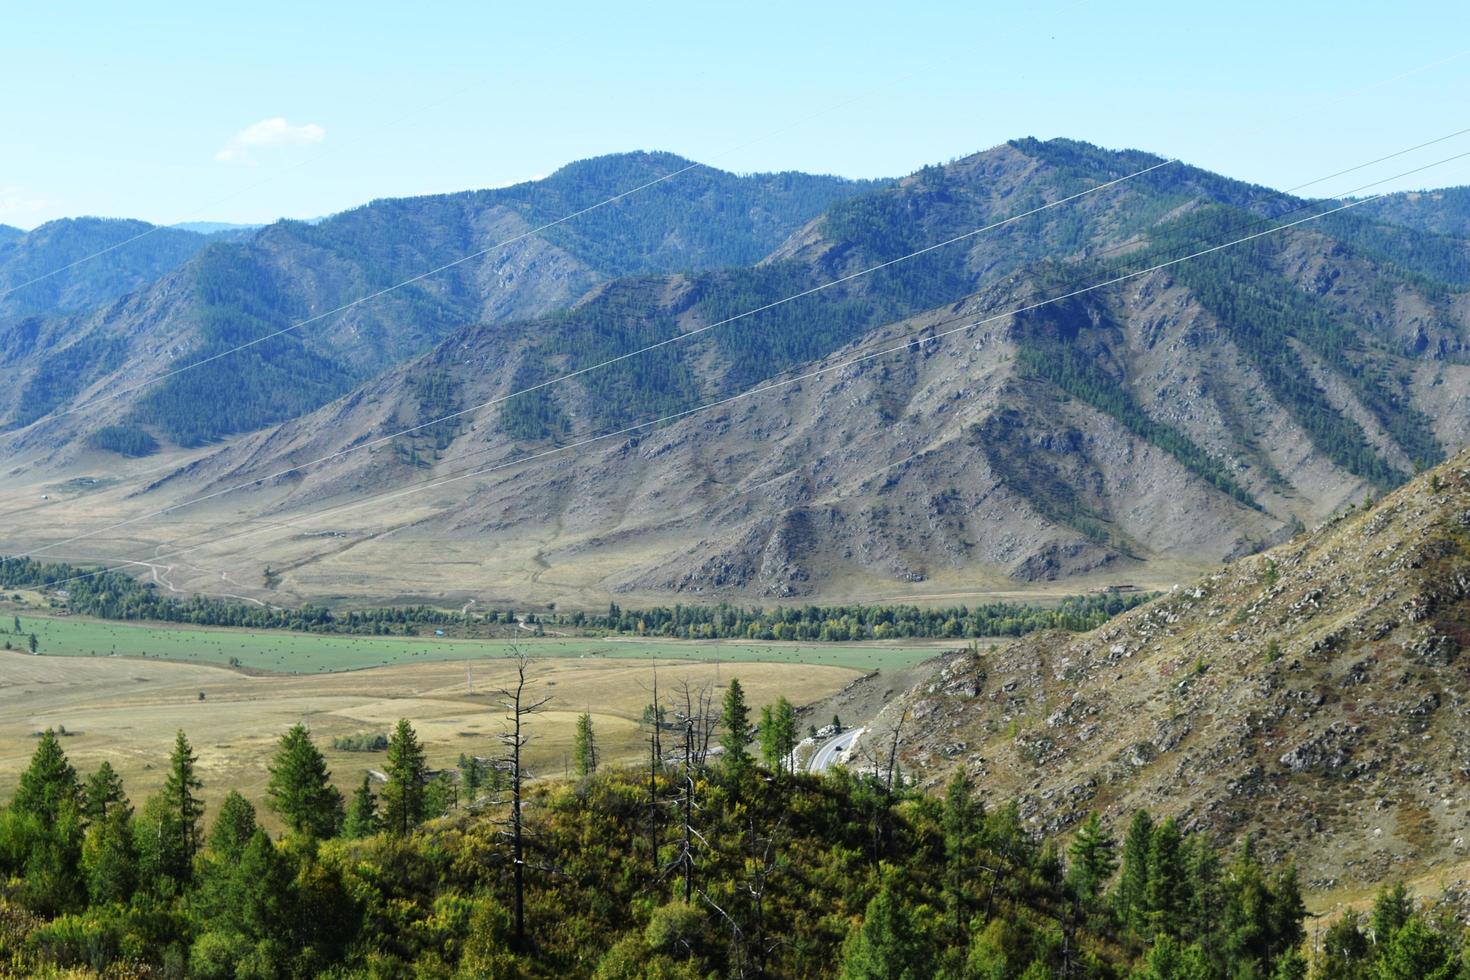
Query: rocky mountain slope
[[1164, 423], [1171, 420], [1316, 694]]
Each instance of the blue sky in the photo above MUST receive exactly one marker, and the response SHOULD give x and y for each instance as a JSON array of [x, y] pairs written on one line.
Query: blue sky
[[146, 110]]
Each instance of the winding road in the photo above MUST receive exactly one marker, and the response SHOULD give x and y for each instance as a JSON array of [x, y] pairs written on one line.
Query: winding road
[[830, 752]]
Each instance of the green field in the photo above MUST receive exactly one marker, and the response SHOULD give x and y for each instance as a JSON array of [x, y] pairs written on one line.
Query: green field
[[309, 653]]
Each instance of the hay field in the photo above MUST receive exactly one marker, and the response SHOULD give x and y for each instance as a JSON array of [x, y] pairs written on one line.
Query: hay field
[[126, 710]]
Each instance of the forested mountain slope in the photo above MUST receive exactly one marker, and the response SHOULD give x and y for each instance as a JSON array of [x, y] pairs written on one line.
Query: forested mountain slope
[[235, 293], [1180, 417], [150, 252], [1314, 695]]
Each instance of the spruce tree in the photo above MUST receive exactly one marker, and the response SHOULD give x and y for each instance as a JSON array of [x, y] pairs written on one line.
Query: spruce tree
[[104, 792], [49, 784], [403, 797], [1092, 860], [300, 787], [584, 749], [736, 719], [362, 814]]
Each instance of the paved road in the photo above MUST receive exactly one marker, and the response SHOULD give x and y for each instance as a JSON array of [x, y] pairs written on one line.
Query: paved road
[[827, 755]]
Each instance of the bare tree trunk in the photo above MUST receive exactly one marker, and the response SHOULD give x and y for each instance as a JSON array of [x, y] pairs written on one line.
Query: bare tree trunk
[[517, 708]]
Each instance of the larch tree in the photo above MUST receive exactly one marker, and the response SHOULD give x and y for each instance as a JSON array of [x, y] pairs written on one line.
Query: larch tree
[[181, 794]]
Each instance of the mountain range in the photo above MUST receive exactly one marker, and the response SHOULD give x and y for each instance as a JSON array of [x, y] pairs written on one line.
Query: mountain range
[[1139, 431]]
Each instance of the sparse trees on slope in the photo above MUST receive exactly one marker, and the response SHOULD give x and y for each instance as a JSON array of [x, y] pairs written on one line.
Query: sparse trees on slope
[[300, 787]]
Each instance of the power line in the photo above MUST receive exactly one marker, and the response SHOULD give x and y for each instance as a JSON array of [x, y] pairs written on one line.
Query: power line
[[460, 261], [684, 336], [913, 343], [677, 338]]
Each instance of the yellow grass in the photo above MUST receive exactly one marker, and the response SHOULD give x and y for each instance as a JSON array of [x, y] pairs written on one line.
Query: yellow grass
[[127, 711]]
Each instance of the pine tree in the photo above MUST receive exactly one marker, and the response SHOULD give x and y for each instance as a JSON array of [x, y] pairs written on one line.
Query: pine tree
[[1131, 894], [300, 787], [234, 825], [736, 719], [180, 791], [104, 792], [403, 796], [584, 749], [49, 784], [362, 814], [1092, 860], [33, 643]]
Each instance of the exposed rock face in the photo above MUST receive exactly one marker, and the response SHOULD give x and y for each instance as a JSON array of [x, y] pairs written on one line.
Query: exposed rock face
[[1314, 694]]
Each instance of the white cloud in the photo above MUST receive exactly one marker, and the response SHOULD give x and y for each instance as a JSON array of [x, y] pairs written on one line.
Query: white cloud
[[266, 134]]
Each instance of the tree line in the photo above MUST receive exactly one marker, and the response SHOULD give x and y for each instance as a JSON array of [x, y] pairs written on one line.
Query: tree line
[[858, 622], [114, 595], [701, 861]]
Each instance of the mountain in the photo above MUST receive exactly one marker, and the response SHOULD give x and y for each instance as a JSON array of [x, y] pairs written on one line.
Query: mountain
[[1144, 430], [1441, 212], [150, 252], [1313, 695], [231, 293]]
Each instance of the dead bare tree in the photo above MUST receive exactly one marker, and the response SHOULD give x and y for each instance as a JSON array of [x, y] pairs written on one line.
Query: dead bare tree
[[518, 706]]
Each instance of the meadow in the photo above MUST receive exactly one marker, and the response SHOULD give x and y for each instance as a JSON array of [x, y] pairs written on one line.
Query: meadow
[[279, 651]]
